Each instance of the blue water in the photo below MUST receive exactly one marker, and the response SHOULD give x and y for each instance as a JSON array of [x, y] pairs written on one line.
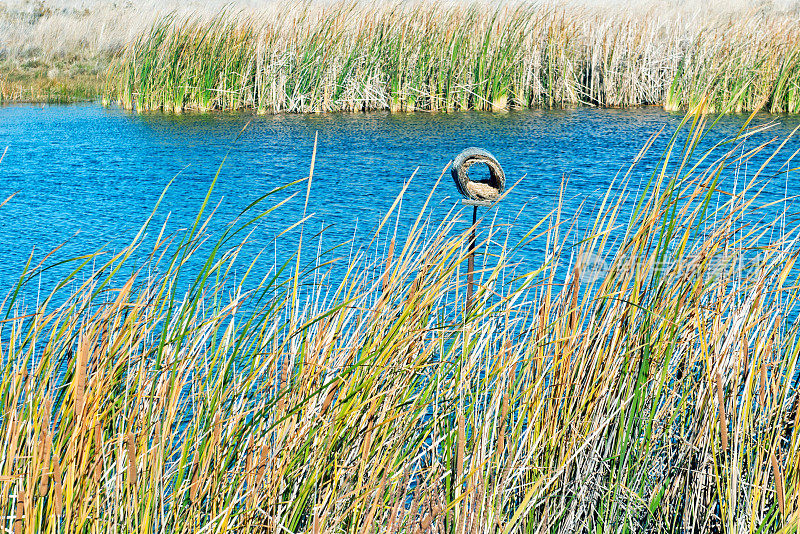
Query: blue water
[[86, 177]]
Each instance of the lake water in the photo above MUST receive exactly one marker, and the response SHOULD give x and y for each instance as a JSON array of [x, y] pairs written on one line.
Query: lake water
[[86, 177]]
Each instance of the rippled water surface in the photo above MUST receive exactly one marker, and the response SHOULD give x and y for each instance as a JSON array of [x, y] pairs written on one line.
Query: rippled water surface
[[87, 177]]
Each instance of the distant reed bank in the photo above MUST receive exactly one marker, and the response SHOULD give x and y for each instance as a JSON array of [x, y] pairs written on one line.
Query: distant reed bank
[[348, 56]]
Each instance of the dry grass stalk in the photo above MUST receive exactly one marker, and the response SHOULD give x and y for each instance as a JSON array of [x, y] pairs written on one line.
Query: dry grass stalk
[[723, 420], [501, 433], [594, 396], [217, 429], [351, 56], [98, 451], [387, 268]]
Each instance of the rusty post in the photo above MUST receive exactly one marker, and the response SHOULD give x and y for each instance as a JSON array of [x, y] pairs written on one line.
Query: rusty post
[[471, 259]]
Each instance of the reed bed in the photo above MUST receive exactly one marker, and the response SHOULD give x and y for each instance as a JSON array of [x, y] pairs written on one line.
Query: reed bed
[[348, 56], [59, 50], [658, 395]]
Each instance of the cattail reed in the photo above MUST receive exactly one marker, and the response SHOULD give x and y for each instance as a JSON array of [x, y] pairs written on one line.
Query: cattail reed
[[10, 452], [46, 445], [194, 485], [426, 56], [131, 451], [537, 412], [80, 376], [248, 463], [501, 433], [387, 269], [776, 473], [723, 420], [217, 430], [745, 353], [400, 492], [462, 445], [262, 464], [58, 490], [376, 504], [477, 507], [19, 513], [413, 511], [329, 397], [315, 527], [431, 516]]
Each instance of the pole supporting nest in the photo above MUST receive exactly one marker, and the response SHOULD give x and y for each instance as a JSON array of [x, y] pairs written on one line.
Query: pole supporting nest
[[476, 193], [478, 190], [484, 203], [471, 258]]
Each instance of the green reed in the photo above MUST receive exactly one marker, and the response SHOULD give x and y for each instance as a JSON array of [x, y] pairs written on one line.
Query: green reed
[[178, 399], [350, 56]]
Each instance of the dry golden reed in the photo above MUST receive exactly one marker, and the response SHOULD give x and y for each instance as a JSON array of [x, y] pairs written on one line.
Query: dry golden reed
[[188, 401], [399, 56]]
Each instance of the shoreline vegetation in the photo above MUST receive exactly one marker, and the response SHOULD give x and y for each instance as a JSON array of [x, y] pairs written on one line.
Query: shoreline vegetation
[[348, 56], [652, 400], [60, 50], [418, 56]]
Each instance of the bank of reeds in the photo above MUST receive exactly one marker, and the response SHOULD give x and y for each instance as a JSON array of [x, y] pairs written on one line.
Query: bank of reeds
[[59, 50], [656, 395], [429, 56]]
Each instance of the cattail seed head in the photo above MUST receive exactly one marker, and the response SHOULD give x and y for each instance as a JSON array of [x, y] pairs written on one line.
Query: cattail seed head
[[131, 441], [776, 473], [723, 421], [80, 377], [47, 445], [262, 464], [217, 429], [19, 512], [58, 492], [194, 486]]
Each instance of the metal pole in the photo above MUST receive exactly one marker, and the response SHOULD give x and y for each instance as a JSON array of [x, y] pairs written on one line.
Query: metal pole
[[471, 258], [476, 193]]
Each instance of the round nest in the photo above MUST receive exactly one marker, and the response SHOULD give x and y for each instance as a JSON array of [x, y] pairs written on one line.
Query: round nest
[[490, 189]]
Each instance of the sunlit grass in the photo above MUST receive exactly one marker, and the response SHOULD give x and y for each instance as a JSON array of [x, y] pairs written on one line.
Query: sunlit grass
[[33, 85], [349, 56], [175, 399]]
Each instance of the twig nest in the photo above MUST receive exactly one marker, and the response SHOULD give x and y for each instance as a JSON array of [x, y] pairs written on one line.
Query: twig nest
[[490, 189]]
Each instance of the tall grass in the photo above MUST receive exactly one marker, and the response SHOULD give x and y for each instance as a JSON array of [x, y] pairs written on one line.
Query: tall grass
[[747, 66], [26, 86], [660, 397], [428, 56]]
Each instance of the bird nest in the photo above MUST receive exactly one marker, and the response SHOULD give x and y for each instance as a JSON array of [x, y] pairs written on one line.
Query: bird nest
[[483, 190]]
